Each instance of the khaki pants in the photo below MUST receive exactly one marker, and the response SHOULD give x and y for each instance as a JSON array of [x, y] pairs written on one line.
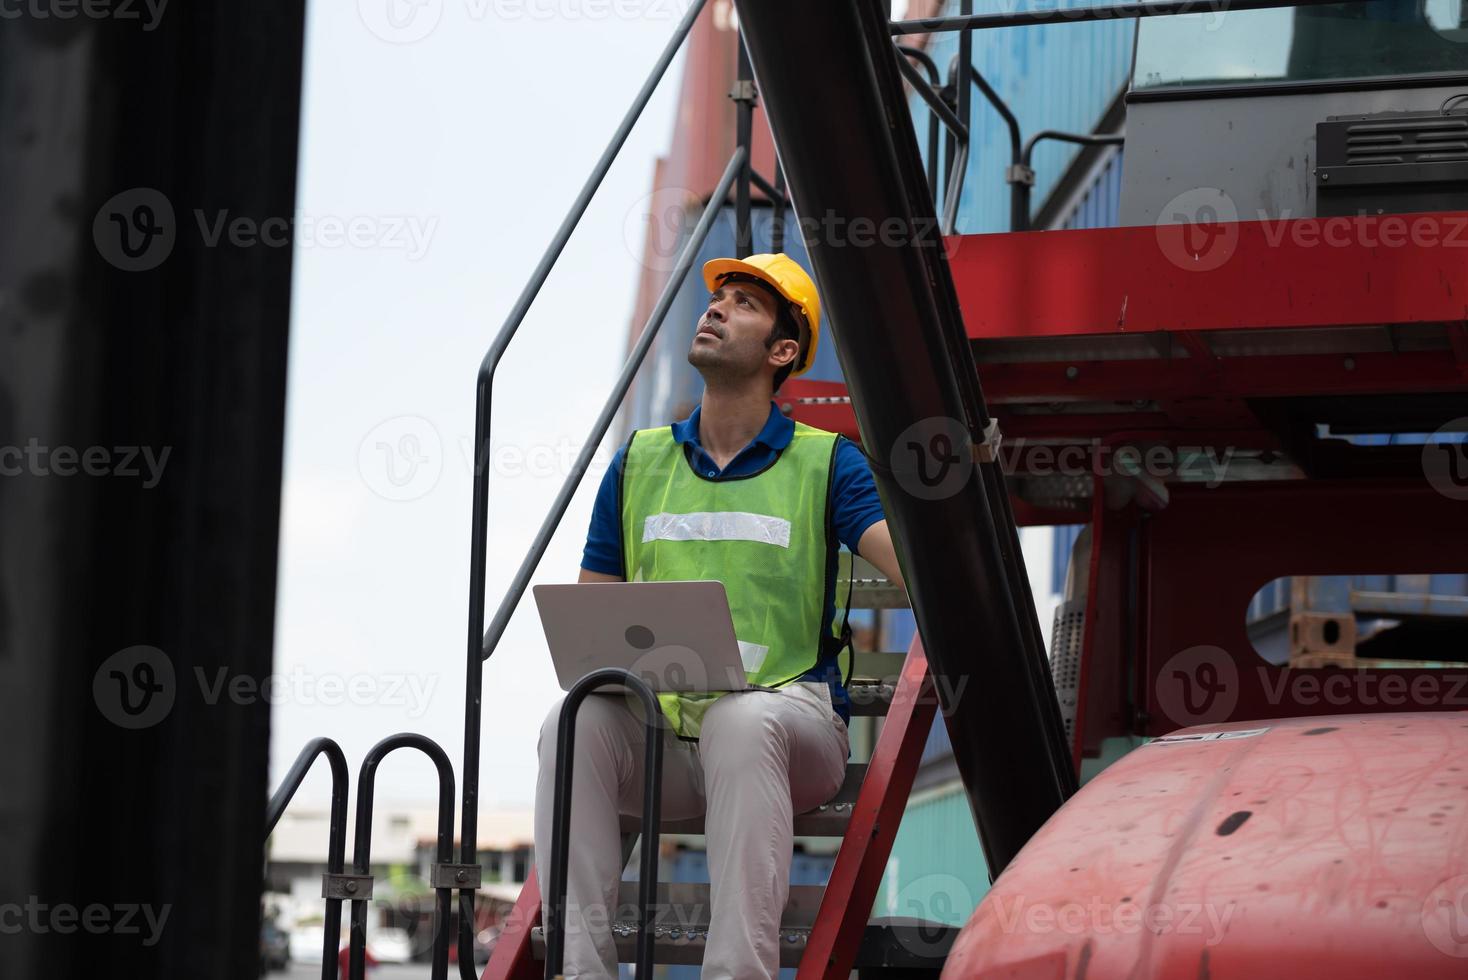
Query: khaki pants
[[762, 757]]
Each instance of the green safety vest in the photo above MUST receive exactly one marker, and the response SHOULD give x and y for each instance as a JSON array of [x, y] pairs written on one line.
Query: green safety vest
[[767, 537]]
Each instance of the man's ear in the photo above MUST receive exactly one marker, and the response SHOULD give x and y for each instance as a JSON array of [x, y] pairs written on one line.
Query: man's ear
[[782, 345]]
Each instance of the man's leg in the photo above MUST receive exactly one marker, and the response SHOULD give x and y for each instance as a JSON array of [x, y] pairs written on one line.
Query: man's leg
[[766, 756], [606, 780]]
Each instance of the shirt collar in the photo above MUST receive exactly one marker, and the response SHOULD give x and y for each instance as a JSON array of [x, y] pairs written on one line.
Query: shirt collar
[[776, 434]]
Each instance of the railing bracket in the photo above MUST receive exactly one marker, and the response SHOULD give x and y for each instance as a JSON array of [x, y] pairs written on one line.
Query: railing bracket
[[743, 90], [987, 450], [355, 888], [456, 876], [1018, 173]]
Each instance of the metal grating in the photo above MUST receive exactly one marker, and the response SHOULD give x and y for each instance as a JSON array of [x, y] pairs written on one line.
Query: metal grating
[[1065, 659]]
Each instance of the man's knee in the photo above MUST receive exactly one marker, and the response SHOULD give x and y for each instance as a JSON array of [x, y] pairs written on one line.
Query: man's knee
[[596, 717]]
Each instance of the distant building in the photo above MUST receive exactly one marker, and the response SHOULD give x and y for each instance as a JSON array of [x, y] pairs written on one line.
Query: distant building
[[404, 849]]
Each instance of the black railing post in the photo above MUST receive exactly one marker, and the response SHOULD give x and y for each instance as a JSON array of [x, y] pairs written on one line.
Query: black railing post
[[336, 847], [362, 850], [777, 225], [964, 108], [652, 767], [743, 95]]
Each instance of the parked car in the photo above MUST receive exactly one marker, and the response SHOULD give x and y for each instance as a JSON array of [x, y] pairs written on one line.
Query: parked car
[[275, 947]]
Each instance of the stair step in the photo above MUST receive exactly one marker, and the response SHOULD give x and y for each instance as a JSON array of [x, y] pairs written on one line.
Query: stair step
[[870, 589], [873, 682], [681, 923], [828, 820], [870, 696]]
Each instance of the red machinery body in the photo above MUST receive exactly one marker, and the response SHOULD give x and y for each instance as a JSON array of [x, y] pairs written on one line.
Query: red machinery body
[[1292, 848]]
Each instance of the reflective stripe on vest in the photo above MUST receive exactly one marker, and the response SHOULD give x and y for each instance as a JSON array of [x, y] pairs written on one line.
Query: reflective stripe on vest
[[764, 536]]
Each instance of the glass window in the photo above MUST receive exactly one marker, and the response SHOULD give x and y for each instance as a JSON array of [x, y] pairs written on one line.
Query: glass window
[[1330, 41]]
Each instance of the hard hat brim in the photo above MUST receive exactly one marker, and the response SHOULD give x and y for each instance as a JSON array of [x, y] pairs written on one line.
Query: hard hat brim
[[716, 269]]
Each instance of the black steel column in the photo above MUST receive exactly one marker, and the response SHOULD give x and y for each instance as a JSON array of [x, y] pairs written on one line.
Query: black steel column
[[743, 95], [142, 382], [832, 91]]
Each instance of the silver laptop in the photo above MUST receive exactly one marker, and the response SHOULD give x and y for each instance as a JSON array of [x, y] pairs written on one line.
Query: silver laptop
[[676, 636]]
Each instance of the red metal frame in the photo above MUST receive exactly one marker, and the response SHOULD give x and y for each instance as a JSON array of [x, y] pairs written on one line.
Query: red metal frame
[[847, 902], [1088, 286], [1247, 274], [1209, 551], [1101, 710], [513, 957]]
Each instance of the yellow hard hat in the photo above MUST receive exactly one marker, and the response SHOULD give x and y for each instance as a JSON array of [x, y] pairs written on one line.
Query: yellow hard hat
[[787, 278]]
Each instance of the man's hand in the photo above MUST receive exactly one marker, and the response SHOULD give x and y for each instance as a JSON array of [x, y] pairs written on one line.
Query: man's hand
[[590, 576], [876, 547]]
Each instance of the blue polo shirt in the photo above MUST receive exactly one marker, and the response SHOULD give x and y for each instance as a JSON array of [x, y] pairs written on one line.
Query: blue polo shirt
[[855, 506]]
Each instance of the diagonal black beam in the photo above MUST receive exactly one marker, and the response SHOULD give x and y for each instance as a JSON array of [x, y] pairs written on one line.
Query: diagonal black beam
[[916, 393]]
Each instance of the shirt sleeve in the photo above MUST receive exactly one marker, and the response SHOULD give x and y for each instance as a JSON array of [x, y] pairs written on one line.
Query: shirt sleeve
[[603, 552], [855, 505]]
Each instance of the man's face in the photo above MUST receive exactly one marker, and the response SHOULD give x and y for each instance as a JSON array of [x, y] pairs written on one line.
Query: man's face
[[731, 335]]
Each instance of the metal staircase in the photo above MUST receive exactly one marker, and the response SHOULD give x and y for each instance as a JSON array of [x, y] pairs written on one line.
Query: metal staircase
[[822, 932]]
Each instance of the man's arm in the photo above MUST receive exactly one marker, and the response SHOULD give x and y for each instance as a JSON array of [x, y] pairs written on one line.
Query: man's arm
[[876, 547], [602, 559]]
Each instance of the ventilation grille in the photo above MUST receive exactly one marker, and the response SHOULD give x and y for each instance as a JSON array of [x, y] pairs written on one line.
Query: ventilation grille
[[1065, 660], [1434, 139]]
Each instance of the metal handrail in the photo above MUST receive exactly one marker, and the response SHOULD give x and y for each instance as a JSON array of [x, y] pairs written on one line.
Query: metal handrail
[[479, 534], [958, 135], [935, 102], [652, 770], [1020, 215], [1020, 175], [609, 410], [484, 646], [924, 59], [1081, 15], [362, 852], [336, 847]]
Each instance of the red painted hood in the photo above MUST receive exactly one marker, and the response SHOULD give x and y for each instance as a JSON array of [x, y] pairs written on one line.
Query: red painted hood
[[1296, 848]]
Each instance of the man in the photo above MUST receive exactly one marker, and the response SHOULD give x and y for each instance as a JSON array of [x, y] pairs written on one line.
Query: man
[[739, 493]]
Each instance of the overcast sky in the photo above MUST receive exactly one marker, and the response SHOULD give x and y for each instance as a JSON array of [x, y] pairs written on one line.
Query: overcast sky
[[452, 135]]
